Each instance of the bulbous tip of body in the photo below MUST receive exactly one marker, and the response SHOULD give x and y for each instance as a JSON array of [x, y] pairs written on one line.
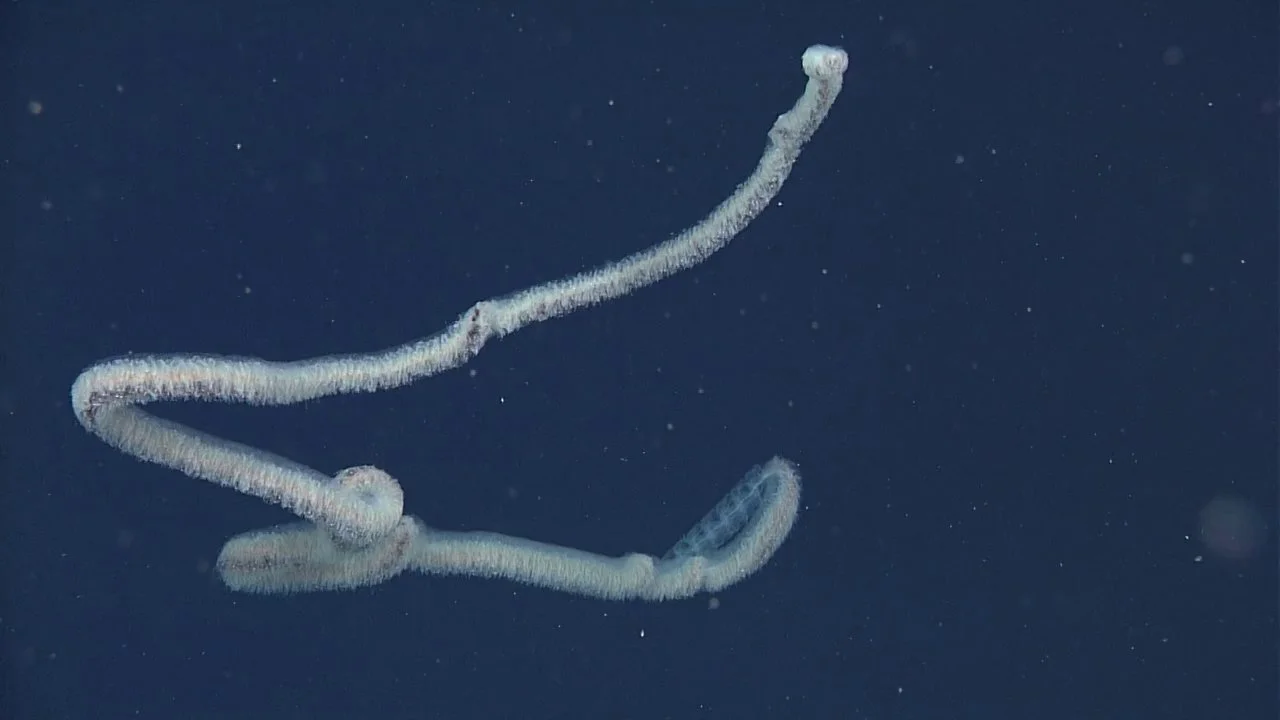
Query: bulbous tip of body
[[824, 61]]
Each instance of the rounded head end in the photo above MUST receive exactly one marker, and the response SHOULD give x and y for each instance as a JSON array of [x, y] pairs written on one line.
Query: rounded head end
[[824, 61]]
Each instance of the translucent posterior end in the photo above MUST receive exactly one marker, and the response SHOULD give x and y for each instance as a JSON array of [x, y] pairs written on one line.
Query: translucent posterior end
[[824, 61]]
